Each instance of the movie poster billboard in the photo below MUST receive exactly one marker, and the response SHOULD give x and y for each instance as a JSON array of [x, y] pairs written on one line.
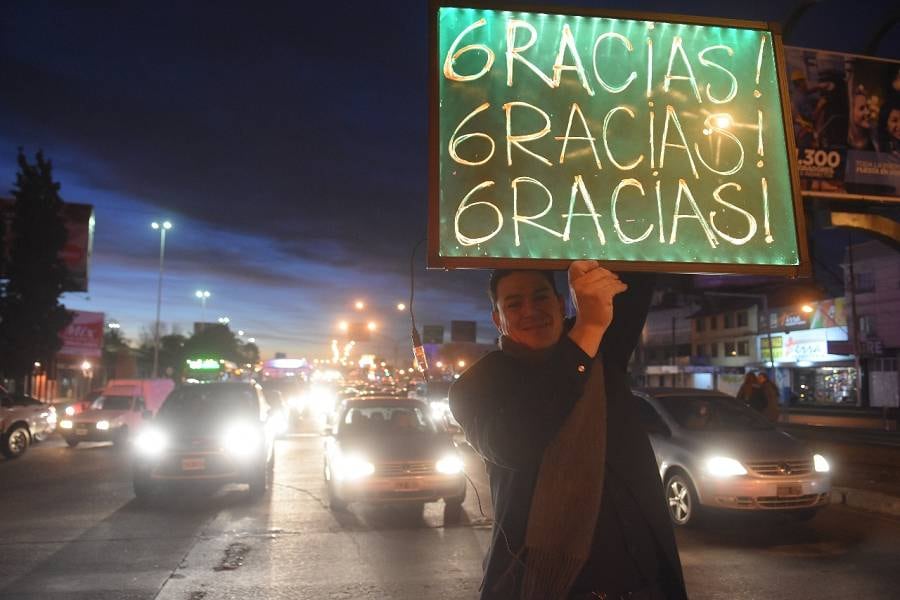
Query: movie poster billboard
[[846, 120]]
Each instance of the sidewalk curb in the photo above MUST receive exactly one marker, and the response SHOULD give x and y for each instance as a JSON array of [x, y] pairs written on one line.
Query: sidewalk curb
[[866, 500]]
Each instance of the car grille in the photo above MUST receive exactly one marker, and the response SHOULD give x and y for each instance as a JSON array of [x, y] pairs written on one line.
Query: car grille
[[795, 502], [405, 468], [781, 468]]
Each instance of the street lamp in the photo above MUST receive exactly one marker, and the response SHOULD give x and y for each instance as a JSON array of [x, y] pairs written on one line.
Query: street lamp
[[401, 307], [203, 295], [162, 228], [224, 320], [359, 305]]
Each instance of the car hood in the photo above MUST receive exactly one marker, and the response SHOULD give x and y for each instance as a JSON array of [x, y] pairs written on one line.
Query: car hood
[[397, 448], [767, 444], [93, 415]]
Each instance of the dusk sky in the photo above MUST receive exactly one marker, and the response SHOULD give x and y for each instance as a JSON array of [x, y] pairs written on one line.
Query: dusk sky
[[287, 145]]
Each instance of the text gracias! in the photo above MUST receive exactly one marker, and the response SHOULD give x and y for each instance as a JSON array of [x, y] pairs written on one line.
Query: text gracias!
[[674, 138]]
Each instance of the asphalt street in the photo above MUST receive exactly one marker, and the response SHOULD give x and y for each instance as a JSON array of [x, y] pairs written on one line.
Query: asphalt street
[[70, 529]]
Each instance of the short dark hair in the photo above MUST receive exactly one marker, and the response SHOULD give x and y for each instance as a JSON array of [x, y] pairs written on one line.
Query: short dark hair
[[498, 274]]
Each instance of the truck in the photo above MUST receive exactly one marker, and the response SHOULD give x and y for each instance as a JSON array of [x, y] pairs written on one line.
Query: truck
[[118, 412]]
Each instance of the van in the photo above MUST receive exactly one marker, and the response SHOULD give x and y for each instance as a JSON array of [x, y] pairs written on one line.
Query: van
[[118, 412]]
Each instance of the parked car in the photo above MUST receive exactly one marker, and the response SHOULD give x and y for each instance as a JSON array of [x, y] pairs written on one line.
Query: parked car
[[386, 449], [23, 420], [714, 453], [118, 412], [210, 432]]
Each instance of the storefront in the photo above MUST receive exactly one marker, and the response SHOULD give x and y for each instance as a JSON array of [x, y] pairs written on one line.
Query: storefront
[[806, 372]]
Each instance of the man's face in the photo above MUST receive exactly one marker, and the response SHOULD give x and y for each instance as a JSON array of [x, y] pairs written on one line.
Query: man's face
[[528, 311], [860, 111]]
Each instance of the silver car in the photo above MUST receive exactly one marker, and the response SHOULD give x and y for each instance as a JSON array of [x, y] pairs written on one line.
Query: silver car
[[23, 420], [715, 453]]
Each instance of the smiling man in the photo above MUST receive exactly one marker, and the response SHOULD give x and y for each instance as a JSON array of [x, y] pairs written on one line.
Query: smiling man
[[578, 503]]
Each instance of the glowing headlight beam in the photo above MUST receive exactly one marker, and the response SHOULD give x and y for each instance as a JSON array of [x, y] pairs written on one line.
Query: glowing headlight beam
[[821, 464], [151, 441], [449, 465], [721, 466]]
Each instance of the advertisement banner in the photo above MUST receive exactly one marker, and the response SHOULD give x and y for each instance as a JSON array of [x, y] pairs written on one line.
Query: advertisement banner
[[84, 335], [646, 143], [846, 121]]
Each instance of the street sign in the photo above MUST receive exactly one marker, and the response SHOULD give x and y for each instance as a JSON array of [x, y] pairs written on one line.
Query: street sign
[[433, 334], [646, 142], [462, 331]]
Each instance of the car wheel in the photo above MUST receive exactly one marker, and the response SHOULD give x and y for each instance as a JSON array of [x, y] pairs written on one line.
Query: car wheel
[[453, 509], [72, 442], [259, 482], [143, 489], [681, 498], [15, 442]]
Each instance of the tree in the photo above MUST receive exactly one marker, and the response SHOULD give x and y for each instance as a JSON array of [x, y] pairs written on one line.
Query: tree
[[31, 316], [249, 353]]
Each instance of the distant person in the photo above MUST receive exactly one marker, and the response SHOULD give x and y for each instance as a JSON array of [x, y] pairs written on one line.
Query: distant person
[[748, 387], [579, 506], [889, 126], [770, 395]]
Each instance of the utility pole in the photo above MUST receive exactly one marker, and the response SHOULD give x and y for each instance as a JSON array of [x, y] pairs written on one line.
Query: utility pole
[[855, 325]]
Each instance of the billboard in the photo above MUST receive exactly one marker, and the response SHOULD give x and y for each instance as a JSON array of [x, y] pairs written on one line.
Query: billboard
[[846, 123], [83, 337], [649, 143], [76, 254]]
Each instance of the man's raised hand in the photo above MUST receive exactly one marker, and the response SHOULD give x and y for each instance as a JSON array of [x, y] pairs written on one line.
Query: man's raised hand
[[592, 288]]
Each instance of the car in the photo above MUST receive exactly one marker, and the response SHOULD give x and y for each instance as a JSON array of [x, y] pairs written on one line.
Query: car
[[207, 432], [118, 413], [70, 408], [292, 396], [716, 454], [387, 450], [435, 393], [23, 420]]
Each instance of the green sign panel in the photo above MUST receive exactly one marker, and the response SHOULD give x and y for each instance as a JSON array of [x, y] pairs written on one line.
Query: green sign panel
[[648, 144]]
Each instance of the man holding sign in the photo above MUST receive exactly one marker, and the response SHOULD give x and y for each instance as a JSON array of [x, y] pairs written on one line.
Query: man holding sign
[[579, 506]]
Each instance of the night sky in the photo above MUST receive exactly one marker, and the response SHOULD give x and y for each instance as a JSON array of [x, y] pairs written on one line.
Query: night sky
[[287, 145]]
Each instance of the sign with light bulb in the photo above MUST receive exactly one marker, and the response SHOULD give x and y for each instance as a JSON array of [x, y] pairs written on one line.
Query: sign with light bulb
[[648, 143]]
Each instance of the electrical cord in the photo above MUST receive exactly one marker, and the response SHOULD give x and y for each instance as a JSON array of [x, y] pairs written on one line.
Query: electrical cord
[[417, 347]]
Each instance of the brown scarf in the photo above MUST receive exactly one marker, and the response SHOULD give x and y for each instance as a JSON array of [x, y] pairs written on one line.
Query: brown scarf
[[566, 500]]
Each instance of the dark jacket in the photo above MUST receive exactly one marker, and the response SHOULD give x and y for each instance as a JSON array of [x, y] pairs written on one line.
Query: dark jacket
[[510, 411]]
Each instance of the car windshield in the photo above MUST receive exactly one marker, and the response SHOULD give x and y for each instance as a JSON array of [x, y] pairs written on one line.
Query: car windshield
[[385, 419], [712, 413], [204, 401], [113, 403]]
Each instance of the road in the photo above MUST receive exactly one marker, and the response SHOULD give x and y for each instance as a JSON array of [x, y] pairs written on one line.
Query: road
[[71, 530]]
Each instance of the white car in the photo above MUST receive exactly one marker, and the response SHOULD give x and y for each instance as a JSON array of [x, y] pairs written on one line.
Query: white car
[[23, 420], [715, 453]]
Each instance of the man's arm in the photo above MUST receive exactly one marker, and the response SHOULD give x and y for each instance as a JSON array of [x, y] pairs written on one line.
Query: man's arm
[[629, 314], [510, 410]]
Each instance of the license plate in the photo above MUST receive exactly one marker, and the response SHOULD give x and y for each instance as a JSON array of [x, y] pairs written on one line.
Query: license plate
[[406, 486], [787, 491], [193, 464], [80, 431]]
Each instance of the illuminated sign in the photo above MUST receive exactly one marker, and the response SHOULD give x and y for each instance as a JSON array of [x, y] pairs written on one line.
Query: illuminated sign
[[204, 364], [647, 144]]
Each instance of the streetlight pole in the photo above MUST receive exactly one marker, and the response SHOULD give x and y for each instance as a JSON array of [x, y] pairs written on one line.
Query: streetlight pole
[[163, 228], [203, 295]]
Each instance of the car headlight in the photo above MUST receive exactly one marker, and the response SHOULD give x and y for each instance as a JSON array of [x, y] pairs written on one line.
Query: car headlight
[[352, 467], [721, 466], [70, 411], [821, 464], [151, 441], [103, 425], [450, 465], [241, 439], [66, 424]]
